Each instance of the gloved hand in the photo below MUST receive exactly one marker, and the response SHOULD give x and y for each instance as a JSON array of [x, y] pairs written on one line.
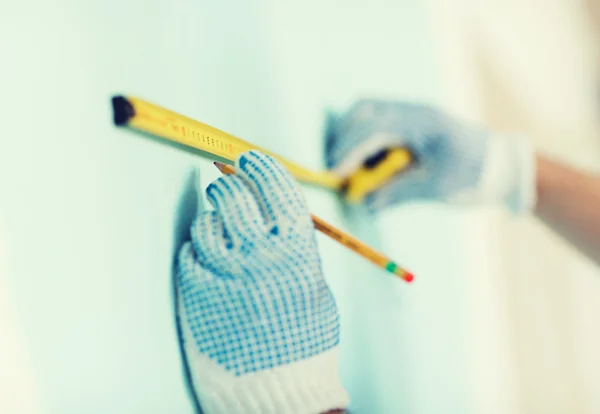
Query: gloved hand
[[453, 162], [261, 327]]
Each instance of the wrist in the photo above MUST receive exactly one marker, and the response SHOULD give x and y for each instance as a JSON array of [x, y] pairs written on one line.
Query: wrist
[[303, 387], [544, 176]]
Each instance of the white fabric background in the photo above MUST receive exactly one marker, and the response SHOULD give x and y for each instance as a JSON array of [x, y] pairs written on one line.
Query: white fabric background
[[527, 66]]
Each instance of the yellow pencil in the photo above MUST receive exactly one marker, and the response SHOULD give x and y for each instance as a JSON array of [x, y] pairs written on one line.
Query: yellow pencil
[[345, 239]]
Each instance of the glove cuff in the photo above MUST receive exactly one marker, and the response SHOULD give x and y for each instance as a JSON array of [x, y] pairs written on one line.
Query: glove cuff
[[310, 386], [509, 173]]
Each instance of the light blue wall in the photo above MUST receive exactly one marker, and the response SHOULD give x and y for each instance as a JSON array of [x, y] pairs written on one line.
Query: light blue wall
[[93, 215]]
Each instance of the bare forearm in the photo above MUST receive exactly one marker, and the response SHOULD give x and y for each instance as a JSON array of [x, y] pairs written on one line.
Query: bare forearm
[[569, 202]]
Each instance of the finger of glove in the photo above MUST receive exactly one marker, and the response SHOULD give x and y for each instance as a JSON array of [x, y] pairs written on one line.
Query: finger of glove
[[212, 245], [190, 273], [365, 130], [344, 133], [411, 185], [357, 155], [331, 137], [199, 294], [238, 207], [277, 192]]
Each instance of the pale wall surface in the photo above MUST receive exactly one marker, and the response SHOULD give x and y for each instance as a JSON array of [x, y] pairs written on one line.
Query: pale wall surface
[[91, 216]]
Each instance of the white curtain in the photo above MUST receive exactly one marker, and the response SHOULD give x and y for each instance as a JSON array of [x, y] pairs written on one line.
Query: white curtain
[[527, 67]]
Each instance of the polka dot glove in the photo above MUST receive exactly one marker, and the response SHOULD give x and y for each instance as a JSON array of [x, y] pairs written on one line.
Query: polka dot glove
[[453, 162], [260, 326]]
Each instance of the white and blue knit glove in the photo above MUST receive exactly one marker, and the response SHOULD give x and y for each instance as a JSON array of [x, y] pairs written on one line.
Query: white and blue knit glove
[[260, 326], [453, 162]]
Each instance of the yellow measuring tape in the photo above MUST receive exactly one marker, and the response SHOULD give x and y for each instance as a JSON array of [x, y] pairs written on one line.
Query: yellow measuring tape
[[147, 117]]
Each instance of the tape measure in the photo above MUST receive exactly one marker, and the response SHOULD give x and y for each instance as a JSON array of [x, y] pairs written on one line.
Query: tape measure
[[144, 116]]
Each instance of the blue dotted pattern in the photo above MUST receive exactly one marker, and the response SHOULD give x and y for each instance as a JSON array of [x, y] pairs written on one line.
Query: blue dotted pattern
[[449, 156], [250, 280]]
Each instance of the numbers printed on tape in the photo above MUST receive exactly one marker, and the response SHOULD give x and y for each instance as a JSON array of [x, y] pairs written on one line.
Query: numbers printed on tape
[[193, 136]]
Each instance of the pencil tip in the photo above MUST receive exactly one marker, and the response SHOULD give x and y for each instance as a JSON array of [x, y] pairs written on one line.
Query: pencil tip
[[398, 271], [219, 165]]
